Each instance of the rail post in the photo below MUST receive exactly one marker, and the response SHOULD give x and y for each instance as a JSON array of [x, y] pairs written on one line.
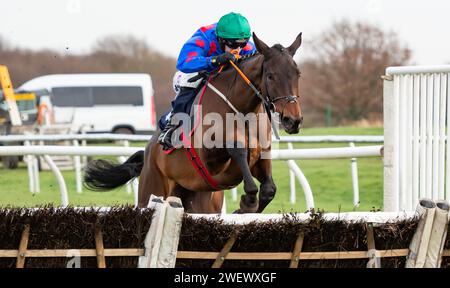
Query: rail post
[[355, 182]]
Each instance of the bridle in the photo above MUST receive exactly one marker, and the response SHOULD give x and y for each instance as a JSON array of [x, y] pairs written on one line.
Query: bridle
[[271, 101], [268, 102]]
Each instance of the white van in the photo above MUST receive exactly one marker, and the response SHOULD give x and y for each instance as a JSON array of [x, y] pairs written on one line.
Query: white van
[[100, 103]]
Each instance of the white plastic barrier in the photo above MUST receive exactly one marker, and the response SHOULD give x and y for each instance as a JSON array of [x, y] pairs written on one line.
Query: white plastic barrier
[[427, 245], [161, 242], [372, 217], [416, 117]]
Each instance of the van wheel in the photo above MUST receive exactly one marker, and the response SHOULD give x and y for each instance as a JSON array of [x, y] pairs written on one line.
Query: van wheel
[[123, 130]]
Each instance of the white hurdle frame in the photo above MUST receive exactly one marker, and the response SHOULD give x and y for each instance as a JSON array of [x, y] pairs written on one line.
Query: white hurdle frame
[[417, 121]]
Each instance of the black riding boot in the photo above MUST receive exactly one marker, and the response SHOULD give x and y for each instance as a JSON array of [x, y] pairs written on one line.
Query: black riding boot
[[181, 104], [165, 137]]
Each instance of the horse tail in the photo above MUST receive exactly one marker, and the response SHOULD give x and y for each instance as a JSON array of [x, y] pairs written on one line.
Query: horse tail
[[103, 175]]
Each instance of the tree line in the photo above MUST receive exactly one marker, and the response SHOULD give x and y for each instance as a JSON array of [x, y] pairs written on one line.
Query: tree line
[[341, 69]]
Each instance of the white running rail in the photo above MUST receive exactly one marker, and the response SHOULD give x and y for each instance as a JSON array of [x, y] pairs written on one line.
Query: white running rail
[[295, 171], [145, 138], [320, 153]]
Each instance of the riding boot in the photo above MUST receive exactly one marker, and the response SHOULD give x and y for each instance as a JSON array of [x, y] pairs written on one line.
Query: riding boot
[[181, 104], [165, 137]]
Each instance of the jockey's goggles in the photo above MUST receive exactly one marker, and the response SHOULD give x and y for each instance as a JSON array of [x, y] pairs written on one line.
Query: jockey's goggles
[[234, 43]]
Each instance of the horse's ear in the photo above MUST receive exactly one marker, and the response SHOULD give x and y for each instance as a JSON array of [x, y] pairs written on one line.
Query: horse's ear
[[297, 43], [260, 45]]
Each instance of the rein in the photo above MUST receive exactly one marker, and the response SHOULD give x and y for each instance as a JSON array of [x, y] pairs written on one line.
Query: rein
[[267, 101], [269, 104]]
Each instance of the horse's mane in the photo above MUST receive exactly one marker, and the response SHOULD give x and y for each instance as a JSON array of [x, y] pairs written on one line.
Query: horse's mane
[[280, 48], [248, 56], [244, 58]]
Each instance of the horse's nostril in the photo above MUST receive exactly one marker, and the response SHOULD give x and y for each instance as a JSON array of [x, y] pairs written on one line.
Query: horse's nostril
[[287, 122]]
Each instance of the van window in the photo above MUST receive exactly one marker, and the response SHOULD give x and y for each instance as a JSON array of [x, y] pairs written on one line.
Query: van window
[[90, 96], [72, 96], [117, 96]]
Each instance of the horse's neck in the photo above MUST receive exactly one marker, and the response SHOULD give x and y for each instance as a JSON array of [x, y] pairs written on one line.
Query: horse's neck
[[242, 96], [237, 91]]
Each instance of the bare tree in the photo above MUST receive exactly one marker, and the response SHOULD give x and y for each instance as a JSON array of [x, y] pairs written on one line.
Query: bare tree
[[345, 68]]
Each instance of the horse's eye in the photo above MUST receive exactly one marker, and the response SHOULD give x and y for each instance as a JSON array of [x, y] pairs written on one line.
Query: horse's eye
[[270, 77]]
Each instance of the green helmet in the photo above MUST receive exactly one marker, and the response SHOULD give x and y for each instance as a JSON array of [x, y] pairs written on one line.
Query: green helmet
[[233, 26]]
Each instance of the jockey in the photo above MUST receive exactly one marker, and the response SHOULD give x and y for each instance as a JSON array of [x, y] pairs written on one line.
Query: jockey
[[209, 48]]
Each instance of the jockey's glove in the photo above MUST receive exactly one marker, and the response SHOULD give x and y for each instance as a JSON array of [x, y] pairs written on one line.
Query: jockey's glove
[[222, 59]]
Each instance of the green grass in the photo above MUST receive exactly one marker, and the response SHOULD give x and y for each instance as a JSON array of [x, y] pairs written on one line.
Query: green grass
[[330, 182]]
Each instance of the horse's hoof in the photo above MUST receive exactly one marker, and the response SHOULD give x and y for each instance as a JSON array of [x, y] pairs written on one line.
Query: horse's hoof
[[239, 211], [248, 207]]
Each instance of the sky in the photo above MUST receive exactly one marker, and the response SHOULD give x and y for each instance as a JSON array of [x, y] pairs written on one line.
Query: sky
[[167, 24]]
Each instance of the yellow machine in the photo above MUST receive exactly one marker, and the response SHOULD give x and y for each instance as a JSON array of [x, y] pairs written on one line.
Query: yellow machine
[[18, 112], [16, 109], [9, 97]]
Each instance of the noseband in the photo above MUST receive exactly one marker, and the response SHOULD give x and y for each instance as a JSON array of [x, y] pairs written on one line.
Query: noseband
[[271, 101], [288, 99]]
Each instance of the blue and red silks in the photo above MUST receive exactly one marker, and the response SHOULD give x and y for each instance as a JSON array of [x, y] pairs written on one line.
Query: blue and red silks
[[197, 52]]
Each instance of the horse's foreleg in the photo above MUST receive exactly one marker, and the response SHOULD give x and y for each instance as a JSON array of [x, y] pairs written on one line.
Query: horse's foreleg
[[249, 201], [263, 172]]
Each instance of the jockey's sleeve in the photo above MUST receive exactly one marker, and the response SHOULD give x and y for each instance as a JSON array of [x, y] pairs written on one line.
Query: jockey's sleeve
[[194, 54]]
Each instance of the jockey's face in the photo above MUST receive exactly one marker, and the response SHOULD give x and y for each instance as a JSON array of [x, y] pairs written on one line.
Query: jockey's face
[[232, 44]]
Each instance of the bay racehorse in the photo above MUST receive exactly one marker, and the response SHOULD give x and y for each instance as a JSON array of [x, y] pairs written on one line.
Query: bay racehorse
[[275, 74]]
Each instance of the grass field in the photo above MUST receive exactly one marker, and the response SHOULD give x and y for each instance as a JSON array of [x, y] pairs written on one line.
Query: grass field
[[330, 182]]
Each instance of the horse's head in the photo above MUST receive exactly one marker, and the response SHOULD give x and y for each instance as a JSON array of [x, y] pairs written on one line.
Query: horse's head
[[280, 82]]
